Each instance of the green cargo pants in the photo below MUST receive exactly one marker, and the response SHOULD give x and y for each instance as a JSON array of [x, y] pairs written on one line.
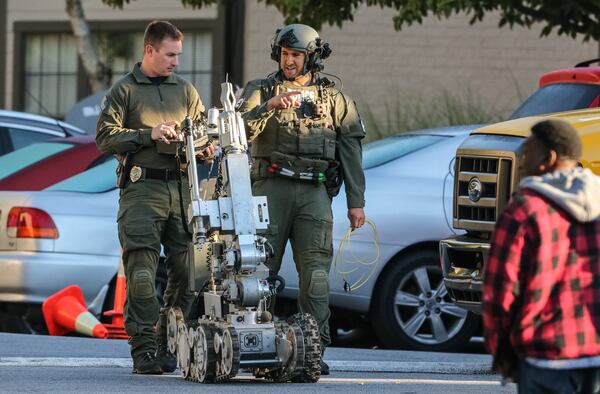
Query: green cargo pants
[[150, 215], [301, 212]]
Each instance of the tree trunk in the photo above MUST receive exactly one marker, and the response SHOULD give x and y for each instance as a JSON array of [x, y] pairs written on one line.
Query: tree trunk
[[97, 72]]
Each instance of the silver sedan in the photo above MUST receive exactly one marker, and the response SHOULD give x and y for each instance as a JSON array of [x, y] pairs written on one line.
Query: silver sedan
[[67, 234], [409, 199]]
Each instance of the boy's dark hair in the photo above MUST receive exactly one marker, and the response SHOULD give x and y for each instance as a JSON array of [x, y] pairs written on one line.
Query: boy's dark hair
[[157, 31], [559, 136]]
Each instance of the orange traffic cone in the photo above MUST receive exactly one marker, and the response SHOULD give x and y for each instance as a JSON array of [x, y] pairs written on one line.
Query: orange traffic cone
[[65, 311], [116, 329]]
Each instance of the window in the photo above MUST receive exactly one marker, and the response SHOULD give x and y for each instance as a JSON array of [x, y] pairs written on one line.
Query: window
[[196, 64], [50, 73], [51, 66], [558, 98], [21, 138], [120, 51]]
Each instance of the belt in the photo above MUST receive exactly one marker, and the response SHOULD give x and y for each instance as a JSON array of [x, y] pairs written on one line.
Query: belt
[[161, 174]]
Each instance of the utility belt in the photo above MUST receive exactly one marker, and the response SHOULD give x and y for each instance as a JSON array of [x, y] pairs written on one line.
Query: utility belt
[[136, 173], [317, 171]]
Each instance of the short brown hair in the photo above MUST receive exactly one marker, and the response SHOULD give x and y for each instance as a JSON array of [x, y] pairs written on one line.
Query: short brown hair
[[559, 136], [157, 31]]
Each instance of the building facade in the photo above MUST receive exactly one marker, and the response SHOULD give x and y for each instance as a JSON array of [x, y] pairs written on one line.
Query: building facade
[[382, 69]]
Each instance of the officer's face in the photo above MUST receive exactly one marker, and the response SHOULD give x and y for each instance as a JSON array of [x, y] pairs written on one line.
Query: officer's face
[[164, 58], [292, 62]]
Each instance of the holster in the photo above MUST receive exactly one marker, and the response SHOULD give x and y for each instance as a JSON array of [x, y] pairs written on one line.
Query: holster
[[123, 170]]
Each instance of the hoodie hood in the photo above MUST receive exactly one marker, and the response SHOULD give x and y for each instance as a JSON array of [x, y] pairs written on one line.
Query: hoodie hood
[[576, 190]]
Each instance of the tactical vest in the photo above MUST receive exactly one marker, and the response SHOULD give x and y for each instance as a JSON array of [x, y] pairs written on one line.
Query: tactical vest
[[305, 132]]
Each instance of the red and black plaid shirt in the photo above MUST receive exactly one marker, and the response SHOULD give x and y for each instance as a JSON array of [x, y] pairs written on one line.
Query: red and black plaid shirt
[[542, 281]]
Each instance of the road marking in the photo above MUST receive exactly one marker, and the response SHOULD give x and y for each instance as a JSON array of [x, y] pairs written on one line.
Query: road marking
[[408, 380], [410, 366], [65, 362], [334, 365]]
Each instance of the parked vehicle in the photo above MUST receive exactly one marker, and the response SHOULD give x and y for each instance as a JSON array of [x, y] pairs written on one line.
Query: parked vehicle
[[19, 129], [409, 183], [60, 236], [66, 234], [487, 175], [40, 165], [564, 90]]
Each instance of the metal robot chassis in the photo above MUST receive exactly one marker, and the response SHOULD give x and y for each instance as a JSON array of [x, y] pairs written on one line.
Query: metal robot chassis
[[231, 328]]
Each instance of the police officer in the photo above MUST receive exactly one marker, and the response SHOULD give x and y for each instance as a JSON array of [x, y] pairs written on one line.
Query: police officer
[[306, 137], [138, 124]]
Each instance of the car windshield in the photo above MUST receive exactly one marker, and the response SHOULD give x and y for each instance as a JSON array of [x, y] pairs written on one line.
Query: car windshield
[[28, 155], [391, 148], [558, 98], [98, 179]]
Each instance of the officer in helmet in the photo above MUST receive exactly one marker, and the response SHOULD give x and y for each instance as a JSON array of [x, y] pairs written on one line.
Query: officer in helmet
[[306, 139]]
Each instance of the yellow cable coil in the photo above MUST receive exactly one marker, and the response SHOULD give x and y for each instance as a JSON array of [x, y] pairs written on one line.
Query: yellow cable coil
[[344, 267]]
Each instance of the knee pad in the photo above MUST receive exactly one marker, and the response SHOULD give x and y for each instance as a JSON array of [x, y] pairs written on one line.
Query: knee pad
[[319, 285], [142, 284]]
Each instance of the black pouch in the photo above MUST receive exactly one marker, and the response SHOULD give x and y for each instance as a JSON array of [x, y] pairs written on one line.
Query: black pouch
[[334, 178], [298, 164]]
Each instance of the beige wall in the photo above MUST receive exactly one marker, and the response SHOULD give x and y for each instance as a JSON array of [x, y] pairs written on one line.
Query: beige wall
[[95, 10], [498, 66], [379, 66]]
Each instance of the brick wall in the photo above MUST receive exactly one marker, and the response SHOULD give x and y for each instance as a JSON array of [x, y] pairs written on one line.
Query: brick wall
[[381, 67]]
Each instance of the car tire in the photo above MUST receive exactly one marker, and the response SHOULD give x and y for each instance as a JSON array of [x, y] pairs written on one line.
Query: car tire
[[412, 310]]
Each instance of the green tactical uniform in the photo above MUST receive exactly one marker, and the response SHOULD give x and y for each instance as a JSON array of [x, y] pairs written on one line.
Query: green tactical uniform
[[150, 209], [323, 135]]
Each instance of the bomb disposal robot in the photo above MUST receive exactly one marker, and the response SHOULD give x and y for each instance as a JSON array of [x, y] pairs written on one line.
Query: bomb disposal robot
[[232, 328]]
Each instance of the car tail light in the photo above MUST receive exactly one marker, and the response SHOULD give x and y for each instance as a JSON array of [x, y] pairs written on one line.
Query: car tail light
[[30, 223]]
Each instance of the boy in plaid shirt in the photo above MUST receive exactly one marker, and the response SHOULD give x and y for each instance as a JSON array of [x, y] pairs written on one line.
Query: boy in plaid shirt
[[541, 306]]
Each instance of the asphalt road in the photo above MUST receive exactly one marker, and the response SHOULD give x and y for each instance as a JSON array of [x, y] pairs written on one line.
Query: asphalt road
[[31, 363]]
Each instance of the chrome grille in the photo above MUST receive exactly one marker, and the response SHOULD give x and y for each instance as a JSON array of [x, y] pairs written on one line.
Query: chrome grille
[[479, 164], [494, 176]]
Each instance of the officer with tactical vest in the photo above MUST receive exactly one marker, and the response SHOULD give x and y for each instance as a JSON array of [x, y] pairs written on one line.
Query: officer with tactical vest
[[138, 124], [306, 138]]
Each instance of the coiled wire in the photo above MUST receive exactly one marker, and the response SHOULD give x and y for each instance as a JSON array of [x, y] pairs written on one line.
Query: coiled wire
[[345, 266]]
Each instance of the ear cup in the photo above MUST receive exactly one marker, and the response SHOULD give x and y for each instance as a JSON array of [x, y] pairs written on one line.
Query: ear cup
[[275, 49], [315, 59]]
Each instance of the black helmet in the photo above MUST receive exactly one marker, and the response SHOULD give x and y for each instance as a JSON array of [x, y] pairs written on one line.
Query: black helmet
[[304, 39]]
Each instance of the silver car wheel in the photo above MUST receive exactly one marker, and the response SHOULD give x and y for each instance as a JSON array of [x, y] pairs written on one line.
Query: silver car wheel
[[423, 308]]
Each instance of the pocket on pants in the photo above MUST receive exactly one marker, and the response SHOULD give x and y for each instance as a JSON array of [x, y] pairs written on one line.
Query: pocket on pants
[[138, 234], [321, 239], [319, 285]]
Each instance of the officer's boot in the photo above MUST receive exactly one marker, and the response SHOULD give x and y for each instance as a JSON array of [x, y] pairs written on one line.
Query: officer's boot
[[146, 364], [167, 361]]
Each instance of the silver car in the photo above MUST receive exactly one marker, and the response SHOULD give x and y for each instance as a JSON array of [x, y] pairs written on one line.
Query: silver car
[[409, 182], [19, 129], [409, 199], [63, 235]]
